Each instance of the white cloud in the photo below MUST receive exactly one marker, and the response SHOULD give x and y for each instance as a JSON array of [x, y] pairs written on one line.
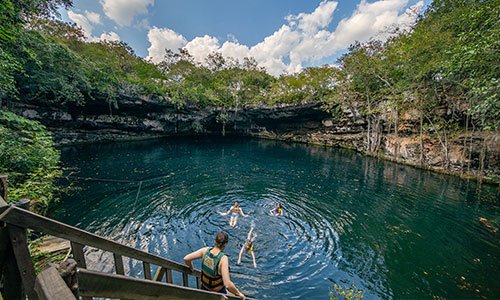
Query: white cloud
[[372, 20], [161, 39], [124, 11], [306, 37], [201, 47], [318, 19], [235, 50], [81, 21], [93, 17], [109, 36], [86, 20]]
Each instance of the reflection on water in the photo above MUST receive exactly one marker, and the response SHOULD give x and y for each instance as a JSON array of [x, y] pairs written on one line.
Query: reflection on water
[[394, 231]]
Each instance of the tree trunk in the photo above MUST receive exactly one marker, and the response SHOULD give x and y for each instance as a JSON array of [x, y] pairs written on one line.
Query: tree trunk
[[465, 144], [446, 154], [471, 143], [421, 138], [396, 133], [482, 156], [368, 147]]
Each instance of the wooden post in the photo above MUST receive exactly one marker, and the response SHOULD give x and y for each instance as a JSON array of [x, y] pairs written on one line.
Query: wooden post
[[169, 276], [185, 281], [4, 189], [19, 241], [147, 270], [119, 264], [78, 255], [12, 288], [160, 272], [198, 282]]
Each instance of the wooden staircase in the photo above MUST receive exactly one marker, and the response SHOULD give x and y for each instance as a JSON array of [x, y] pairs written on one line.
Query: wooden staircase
[[20, 279]]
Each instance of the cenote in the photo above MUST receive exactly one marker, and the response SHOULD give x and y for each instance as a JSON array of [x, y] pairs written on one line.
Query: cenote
[[393, 231]]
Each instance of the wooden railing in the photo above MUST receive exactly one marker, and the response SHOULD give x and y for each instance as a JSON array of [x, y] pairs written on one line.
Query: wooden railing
[[17, 266]]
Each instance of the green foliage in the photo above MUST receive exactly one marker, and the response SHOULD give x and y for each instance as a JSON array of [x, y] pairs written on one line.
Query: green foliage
[[310, 85], [346, 293], [28, 156]]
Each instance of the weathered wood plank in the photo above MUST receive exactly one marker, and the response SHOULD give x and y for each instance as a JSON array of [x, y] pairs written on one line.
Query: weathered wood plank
[[118, 286], [78, 254], [169, 276], [160, 272], [50, 286], [185, 281], [4, 187], [22, 254], [12, 287], [118, 264], [4, 244], [147, 270], [26, 219], [51, 244]]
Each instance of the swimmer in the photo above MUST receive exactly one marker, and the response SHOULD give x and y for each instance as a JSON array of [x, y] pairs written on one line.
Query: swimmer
[[235, 211], [248, 247], [277, 210]]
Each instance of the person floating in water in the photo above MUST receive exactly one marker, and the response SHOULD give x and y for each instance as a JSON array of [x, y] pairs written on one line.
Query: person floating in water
[[248, 247], [214, 267], [235, 211], [277, 210]]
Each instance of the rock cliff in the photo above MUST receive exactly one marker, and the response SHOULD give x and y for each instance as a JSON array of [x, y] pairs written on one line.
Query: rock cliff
[[136, 118]]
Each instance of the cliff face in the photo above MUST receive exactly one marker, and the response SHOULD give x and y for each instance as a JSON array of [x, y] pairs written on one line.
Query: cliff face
[[138, 119]]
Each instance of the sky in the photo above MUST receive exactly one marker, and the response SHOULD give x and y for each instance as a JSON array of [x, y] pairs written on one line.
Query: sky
[[284, 36]]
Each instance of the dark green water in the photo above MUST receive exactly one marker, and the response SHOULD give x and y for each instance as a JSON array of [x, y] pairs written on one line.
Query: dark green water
[[393, 231]]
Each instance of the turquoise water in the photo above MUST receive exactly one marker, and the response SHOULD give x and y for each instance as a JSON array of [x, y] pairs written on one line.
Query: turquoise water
[[393, 231]]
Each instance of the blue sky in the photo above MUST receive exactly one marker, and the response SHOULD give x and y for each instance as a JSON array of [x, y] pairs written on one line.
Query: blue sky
[[283, 35]]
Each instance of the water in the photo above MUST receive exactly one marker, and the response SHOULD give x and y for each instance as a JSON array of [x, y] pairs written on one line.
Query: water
[[393, 231]]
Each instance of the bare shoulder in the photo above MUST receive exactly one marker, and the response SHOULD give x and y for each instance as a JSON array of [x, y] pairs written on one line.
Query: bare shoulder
[[224, 259]]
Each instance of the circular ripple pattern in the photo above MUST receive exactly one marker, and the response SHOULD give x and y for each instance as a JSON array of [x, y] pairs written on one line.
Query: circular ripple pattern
[[393, 231]]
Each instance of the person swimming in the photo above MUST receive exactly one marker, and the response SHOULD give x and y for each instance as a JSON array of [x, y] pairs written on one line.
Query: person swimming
[[235, 212], [248, 247], [277, 210]]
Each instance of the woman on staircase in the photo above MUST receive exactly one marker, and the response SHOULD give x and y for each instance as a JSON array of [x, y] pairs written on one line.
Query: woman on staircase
[[214, 267]]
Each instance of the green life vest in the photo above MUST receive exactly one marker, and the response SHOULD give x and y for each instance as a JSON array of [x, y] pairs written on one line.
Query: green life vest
[[210, 277]]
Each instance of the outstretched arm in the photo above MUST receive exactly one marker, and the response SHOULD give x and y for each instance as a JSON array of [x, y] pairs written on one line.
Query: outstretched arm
[[249, 236], [227, 280], [229, 210], [188, 259], [241, 212]]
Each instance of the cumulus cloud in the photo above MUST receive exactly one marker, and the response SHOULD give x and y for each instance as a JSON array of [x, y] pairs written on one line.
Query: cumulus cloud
[[82, 21], [109, 36], [86, 21], [161, 39], [93, 17], [373, 20], [124, 11], [305, 37], [201, 47]]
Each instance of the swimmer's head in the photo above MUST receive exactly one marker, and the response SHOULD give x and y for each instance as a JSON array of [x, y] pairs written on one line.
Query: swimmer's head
[[236, 204], [221, 240]]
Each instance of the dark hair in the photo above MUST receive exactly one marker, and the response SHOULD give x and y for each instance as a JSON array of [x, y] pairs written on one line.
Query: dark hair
[[221, 239]]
